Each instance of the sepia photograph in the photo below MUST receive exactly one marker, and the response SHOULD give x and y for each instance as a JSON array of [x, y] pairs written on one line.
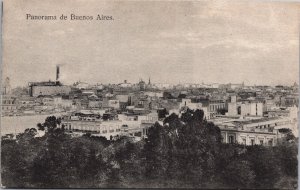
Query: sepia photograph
[[121, 94]]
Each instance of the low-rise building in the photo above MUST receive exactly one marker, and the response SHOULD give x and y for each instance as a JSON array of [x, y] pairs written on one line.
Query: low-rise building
[[251, 108], [245, 108], [262, 131]]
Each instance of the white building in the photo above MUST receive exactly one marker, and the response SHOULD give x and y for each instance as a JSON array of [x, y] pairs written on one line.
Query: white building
[[253, 109], [96, 128], [114, 104], [245, 108], [263, 131]]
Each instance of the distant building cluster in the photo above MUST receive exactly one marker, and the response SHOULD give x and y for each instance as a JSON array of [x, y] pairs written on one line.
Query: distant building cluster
[[245, 114]]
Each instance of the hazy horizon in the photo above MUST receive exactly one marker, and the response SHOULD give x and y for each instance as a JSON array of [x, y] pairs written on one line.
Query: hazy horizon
[[169, 41]]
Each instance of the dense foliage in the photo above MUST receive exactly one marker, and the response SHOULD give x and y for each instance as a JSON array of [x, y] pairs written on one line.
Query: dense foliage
[[184, 152]]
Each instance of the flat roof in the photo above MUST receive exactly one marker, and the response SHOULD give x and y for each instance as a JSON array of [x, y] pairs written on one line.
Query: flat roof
[[257, 120]]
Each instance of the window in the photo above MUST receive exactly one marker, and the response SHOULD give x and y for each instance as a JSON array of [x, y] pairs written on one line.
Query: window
[[244, 141], [252, 142], [261, 142], [231, 139], [270, 143]]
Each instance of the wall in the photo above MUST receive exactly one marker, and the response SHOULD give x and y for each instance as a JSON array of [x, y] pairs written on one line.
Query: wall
[[232, 109]]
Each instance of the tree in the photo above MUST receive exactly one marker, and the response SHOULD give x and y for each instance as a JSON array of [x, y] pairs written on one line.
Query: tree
[[128, 156], [40, 127], [155, 152], [184, 148], [265, 165], [14, 168], [289, 136], [238, 174], [287, 156], [51, 123], [186, 152], [162, 113]]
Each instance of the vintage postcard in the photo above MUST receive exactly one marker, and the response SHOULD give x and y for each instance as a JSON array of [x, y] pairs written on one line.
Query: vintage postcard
[[149, 94]]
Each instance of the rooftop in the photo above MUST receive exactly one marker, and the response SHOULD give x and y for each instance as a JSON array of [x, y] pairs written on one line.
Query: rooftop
[[256, 120]]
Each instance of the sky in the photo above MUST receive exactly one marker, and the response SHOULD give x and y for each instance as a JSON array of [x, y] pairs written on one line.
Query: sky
[[170, 41]]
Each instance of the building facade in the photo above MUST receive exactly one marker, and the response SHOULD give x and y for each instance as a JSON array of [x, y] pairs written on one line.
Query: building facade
[[252, 132]]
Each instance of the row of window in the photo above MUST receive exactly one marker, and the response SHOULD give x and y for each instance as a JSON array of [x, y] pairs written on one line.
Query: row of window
[[7, 101], [8, 108], [216, 107], [231, 139], [69, 127], [261, 142]]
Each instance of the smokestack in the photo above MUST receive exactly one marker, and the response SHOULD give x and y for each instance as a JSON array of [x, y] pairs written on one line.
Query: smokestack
[[57, 72]]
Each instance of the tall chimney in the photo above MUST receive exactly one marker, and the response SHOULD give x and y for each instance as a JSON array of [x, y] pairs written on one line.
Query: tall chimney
[[57, 72]]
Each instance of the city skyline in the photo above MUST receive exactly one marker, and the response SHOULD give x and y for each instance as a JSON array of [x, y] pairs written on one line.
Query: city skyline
[[146, 80], [178, 42]]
